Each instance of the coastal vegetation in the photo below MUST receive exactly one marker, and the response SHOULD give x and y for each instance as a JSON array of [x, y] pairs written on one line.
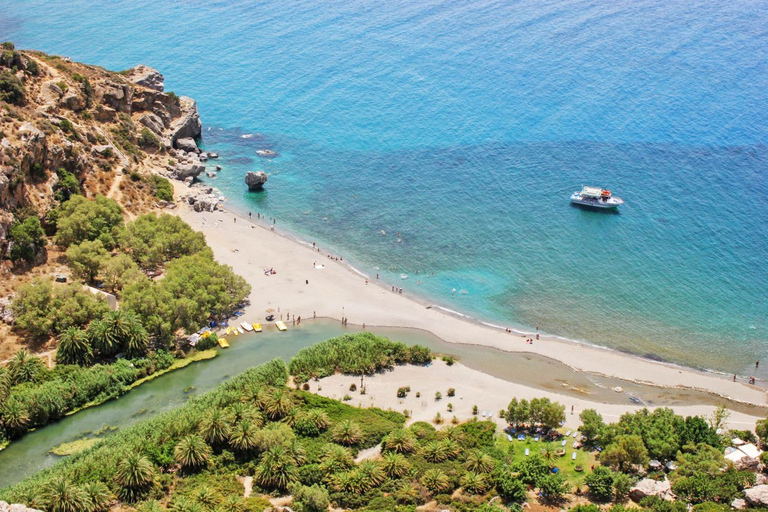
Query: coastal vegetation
[[294, 442], [102, 352]]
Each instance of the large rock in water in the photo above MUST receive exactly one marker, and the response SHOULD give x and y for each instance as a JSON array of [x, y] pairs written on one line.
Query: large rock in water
[[147, 76], [757, 495], [650, 487], [255, 180], [187, 144]]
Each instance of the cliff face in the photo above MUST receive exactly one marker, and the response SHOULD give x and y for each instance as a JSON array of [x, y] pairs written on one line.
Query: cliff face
[[60, 118]]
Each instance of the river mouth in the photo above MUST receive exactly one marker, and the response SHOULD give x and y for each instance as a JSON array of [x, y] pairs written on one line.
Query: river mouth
[[32, 453]]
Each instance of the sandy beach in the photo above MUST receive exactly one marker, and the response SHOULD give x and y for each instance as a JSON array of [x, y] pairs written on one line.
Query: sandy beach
[[472, 387], [307, 282]]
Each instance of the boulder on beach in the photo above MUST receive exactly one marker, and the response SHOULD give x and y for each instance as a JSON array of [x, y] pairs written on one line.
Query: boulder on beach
[[255, 180], [184, 171]]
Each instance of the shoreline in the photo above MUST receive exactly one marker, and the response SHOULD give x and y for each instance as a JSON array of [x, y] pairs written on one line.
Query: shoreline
[[516, 329], [345, 292]]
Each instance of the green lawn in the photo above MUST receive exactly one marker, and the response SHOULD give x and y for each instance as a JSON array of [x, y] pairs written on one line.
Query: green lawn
[[584, 458]]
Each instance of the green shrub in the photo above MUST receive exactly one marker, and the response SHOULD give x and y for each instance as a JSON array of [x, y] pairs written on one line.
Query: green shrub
[[11, 88], [147, 139], [27, 238], [162, 188]]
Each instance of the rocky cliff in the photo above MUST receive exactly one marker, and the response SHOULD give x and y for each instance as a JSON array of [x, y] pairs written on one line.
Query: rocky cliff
[[66, 125]]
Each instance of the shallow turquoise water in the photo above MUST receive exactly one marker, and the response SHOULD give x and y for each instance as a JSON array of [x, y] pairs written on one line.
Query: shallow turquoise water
[[464, 126]]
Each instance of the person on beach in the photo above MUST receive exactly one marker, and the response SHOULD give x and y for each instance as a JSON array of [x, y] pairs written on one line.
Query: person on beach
[[235, 219], [571, 409], [298, 321], [314, 314], [734, 377], [757, 363], [537, 336], [249, 215]]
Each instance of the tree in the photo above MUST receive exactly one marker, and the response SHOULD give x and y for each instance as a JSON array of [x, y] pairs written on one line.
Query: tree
[[719, 417], [600, 483], [531, 470], [11, 88], [399, 441], [625, 451], [27, 238], [347, 432], [25, 367], [696, 430], [80, 219], [436, 481], [309, 499], [277, 404], [243, 438], [703, 474], [479, 462], [135, 475], [395, 465], [74, 348], [15, 417], [546, 413], [119, 331], [761, 429], [215, 426], [660, 430], [553, 487], [99, 496], [335, 458], [474, 483], [621, 486], [192, 452], [42, 309], [86, 258], [509, 487], [518, 412], [118, 271], [277, 469], [153, 239], [592, 426], [59, 495]]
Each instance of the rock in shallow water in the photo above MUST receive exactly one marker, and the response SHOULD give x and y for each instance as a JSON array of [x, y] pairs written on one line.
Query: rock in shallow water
[[255, 180]]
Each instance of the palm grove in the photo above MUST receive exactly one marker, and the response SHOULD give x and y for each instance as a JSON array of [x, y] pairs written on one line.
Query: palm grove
[[103, 250]]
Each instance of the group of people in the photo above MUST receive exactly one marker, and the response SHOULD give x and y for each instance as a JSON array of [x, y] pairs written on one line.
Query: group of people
[[397, 290]]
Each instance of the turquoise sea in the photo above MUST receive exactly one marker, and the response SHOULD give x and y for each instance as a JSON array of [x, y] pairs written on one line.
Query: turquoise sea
[[465, 125]]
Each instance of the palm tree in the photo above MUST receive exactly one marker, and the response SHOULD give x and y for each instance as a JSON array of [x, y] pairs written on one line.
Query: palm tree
[[371, 474], [395, 465], [244, 438], [347, 432], [99, 495], [182, 504], [319, 418], [298, 452], [25, 367], [474, 483], [215, 426], [400, 441], [452, 433], [292, 417], [15, 417], [192, 452], [74, 348], [277, 468], [58, 495], [232, 504], [452, 448], [240, 411], [207, 497], [277, 404], [436, 451], [135, 475], [116, 331], [436, 481], [408, 494], [335, 458], [548, 454], [479, 462]]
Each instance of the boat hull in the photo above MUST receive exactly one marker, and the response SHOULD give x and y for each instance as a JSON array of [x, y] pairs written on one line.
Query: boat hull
[[591, 202]]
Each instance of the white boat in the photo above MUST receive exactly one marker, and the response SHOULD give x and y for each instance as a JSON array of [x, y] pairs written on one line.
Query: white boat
[[248, 327], [596, 197]]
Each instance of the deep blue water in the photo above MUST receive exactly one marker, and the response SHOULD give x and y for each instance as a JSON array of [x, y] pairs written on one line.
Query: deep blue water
[[464, 126]]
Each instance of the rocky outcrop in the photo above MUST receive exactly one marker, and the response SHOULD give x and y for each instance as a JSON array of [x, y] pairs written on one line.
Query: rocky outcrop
[[184, 171], [739, 504], [6, 507], [153, 122], [203, 198], [188, 124], [188, 144], [146, 76], [650, 487], [255, 180], [757, 496], [116, 96]]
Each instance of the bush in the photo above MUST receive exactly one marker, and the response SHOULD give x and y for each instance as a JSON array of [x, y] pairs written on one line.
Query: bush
[[509, 487], [600, 483], [162, 188], [27, 238], [67, 186], [309, 499], [80, 219], [147, 139], [451, 392], [11, 88]]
